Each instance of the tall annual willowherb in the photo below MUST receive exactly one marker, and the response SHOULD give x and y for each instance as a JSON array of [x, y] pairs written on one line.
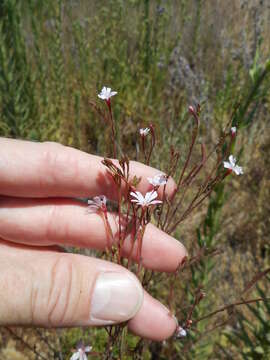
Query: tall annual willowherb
[[136, 210]]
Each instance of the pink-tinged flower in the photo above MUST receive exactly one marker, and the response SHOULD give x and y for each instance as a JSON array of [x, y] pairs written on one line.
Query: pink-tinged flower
[[97, 203], [180, 332], [231, 165], [106, 93], [147, 200], [191, 110], [144, 132], [158, 180], [81, 353], [233, 130]]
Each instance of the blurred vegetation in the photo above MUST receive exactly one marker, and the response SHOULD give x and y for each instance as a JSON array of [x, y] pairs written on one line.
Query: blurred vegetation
[[250, 338], [161, 56]]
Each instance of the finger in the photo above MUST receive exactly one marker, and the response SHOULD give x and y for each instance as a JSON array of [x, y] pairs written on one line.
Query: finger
[[64, 222], [30, 169], [158, 324], [48, 289]]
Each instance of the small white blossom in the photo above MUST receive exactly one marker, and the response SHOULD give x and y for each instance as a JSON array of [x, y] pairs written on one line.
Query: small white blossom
[[233, 130], [180, 332], [81, 353], [147, 200], [97, 203], [158, 180], [231, 165], [106, 93], [144, 132]]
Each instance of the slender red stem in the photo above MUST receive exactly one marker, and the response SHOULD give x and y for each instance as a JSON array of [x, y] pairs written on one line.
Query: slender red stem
[[112, 128]]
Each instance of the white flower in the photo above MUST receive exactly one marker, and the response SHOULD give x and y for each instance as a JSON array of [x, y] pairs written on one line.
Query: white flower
[[180, 332], [158, 180], [231, 165], [148, 200], [233, 130], [81, 353], [97, 203], [144, 132], [106, 93]]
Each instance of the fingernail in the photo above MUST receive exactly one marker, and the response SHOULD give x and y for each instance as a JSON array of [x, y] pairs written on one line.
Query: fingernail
[[169, 313], [176, 320], [117, 297]]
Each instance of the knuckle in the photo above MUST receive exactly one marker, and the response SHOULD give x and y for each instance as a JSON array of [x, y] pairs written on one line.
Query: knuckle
[[57, 228], [59, 162], [50, 158], [50, 152], [61, 295], [52, 229]]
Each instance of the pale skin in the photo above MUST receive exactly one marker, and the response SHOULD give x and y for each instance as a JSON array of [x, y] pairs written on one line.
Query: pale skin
[[42, 286]]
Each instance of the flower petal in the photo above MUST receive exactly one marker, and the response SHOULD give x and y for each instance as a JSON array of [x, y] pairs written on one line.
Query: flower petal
[[134, 194], [153, 202], [140, 197], [238, 170], [227, 165], [75, 356], [148, 196], [153, 195], [232, 160]]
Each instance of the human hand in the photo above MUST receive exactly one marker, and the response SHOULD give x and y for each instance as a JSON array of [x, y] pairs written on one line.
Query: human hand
[[42, 286]]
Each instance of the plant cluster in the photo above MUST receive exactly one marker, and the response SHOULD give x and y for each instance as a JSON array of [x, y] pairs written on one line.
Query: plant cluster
[[135, 210]]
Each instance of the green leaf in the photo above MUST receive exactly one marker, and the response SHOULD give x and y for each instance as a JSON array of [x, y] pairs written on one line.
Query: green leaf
[[259, 350]]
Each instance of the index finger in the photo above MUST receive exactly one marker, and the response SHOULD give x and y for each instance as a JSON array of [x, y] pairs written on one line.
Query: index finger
[[30, 169]]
